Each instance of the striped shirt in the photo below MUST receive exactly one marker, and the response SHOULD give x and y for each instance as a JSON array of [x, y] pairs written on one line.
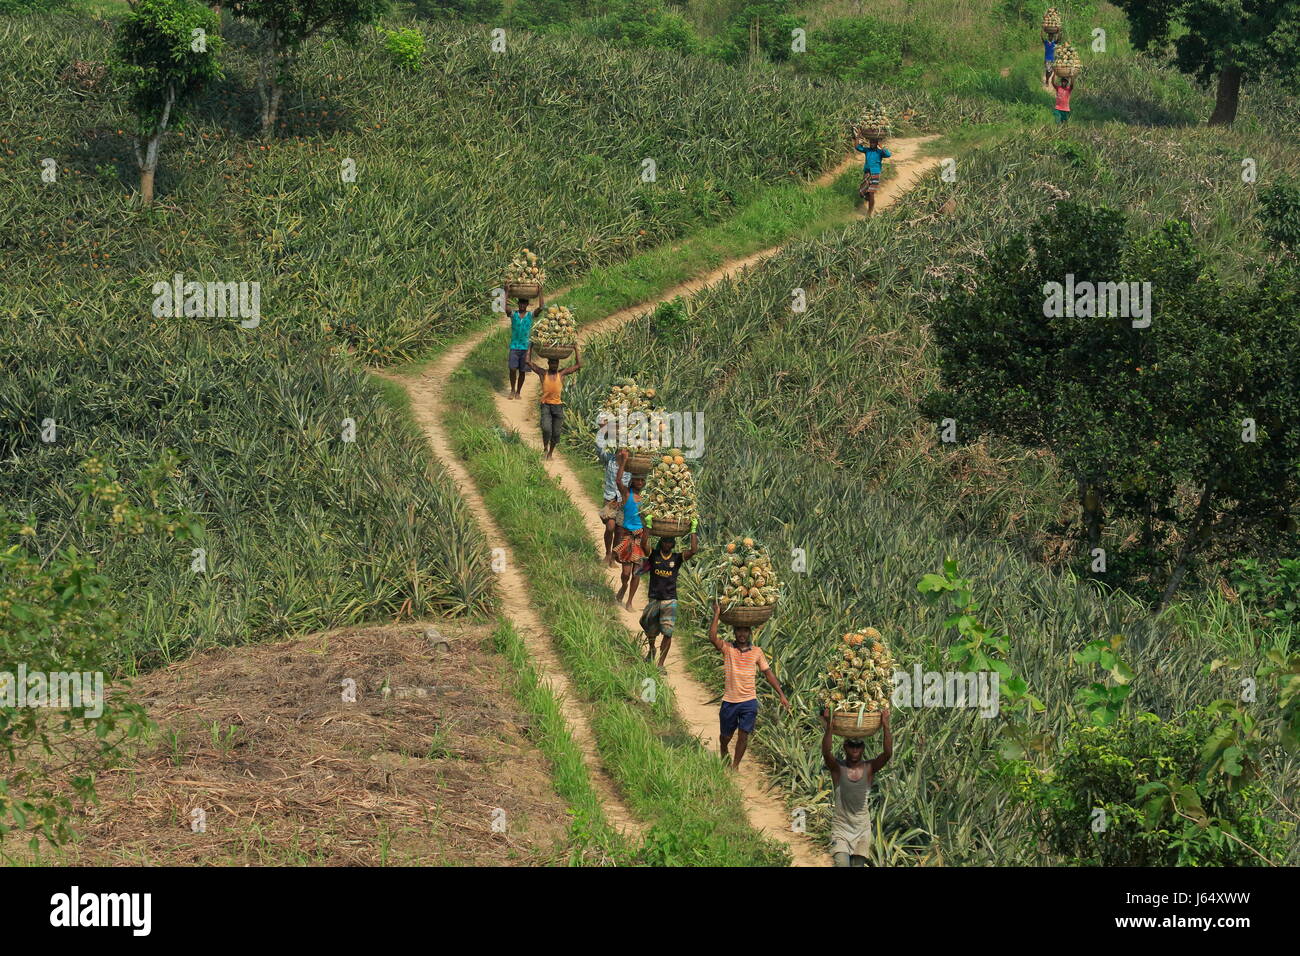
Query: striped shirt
[[741, 668]]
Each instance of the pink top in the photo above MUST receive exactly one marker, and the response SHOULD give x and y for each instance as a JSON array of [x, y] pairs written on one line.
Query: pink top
[[1063, 97]]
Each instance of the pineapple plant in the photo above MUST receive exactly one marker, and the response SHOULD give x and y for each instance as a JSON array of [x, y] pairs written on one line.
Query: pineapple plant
[[670, 494], [858, 680]]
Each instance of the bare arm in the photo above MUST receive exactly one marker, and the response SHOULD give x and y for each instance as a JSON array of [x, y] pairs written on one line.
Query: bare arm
[[713, 627], [771, 679], [828, 753], [888, 752], [693, 550], [619, 484], [577, 362]]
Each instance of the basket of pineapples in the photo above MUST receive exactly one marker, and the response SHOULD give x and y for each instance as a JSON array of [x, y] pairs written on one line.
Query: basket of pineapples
[[524, 276], [670, 496], [1052, 21], [555, 333], [1068, 66], [873, 123], [746, 584], [857, 683], [641, 437]]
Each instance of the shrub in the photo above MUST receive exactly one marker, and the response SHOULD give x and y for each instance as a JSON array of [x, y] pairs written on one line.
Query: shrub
[[471, 11], [405, 48], [1279, 212], [632, 24], [860, 48], [1113, 778]]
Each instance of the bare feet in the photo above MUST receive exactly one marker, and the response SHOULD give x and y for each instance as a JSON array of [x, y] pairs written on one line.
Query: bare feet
[[628, 605]]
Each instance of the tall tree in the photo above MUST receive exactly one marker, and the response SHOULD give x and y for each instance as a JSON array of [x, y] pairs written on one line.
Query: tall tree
[[1222, 42], [166, 51], [286, 25]]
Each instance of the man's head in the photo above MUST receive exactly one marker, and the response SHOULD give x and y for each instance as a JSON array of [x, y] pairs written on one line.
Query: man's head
[[742, 635], [523, 304], [666, 545], [553, 364], [875, 144], [638, 482], [853, 750]]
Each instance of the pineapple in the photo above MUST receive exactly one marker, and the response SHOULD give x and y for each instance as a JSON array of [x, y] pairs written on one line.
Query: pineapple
[[525, 269], [852, 682], [672, 488], [1052, 20], [874, 122], [744, 575], [556, 328]]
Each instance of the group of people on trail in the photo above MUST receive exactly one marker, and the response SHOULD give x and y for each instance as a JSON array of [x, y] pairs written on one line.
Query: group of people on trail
[[627, 533], [552, 376]]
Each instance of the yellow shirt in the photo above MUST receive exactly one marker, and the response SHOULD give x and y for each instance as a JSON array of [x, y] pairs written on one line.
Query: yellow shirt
[[552, 383]]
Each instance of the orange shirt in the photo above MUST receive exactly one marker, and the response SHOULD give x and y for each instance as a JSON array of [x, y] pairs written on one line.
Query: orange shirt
[[741, 667], [552, 383]]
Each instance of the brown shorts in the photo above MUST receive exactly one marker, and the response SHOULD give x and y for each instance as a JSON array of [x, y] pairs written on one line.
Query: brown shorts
[[613, 509]]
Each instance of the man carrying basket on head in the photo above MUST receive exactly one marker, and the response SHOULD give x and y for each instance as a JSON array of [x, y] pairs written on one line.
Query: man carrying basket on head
[[634, 545], [871, 168], [616, 476], [552, 410], [853, 777], [741, 661], [660, 612], [521, 330]]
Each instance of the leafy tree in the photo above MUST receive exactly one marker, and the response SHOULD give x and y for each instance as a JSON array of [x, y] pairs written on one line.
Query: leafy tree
[[1279, 212], [57, 615], [1221, 42], [858, 48], [166, 51], [286, 25], [758, 27], [1134, 792], [1135, 415], [636, 23]]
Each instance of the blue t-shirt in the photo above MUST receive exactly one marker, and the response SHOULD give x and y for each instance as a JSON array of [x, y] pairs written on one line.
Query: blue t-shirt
[[521, 329], [1049, 50], [874, 156], [632, 513]]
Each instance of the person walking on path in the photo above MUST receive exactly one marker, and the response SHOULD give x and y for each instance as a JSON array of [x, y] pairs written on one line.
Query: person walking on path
[[1049, 56], [616, 476], [871, 169], [660, 612], [1064, 87], [552, 404], [741, 661], [634, 546], [853, 777], [521, 331]]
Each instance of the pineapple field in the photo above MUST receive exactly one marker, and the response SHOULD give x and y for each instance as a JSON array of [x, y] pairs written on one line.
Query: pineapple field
[[259, 470]]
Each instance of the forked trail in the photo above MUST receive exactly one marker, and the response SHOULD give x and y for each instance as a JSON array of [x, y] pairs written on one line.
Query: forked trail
[[766, 811]]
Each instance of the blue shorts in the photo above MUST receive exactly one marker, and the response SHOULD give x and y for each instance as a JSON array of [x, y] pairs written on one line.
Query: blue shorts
[[740, 715], [518, 360]]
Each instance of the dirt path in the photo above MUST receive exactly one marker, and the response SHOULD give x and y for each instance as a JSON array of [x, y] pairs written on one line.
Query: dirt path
[[426, 405], [766, 811]]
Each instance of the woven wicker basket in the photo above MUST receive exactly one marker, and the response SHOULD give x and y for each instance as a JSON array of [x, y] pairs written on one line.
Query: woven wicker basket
[[554, 351], [640, 462], [523, 290], [742, 616], [870, 134], [849, 724], [1065, 71], [669, 527]]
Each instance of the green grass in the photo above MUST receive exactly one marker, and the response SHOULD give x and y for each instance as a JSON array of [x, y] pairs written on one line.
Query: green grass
[[592, 840]]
